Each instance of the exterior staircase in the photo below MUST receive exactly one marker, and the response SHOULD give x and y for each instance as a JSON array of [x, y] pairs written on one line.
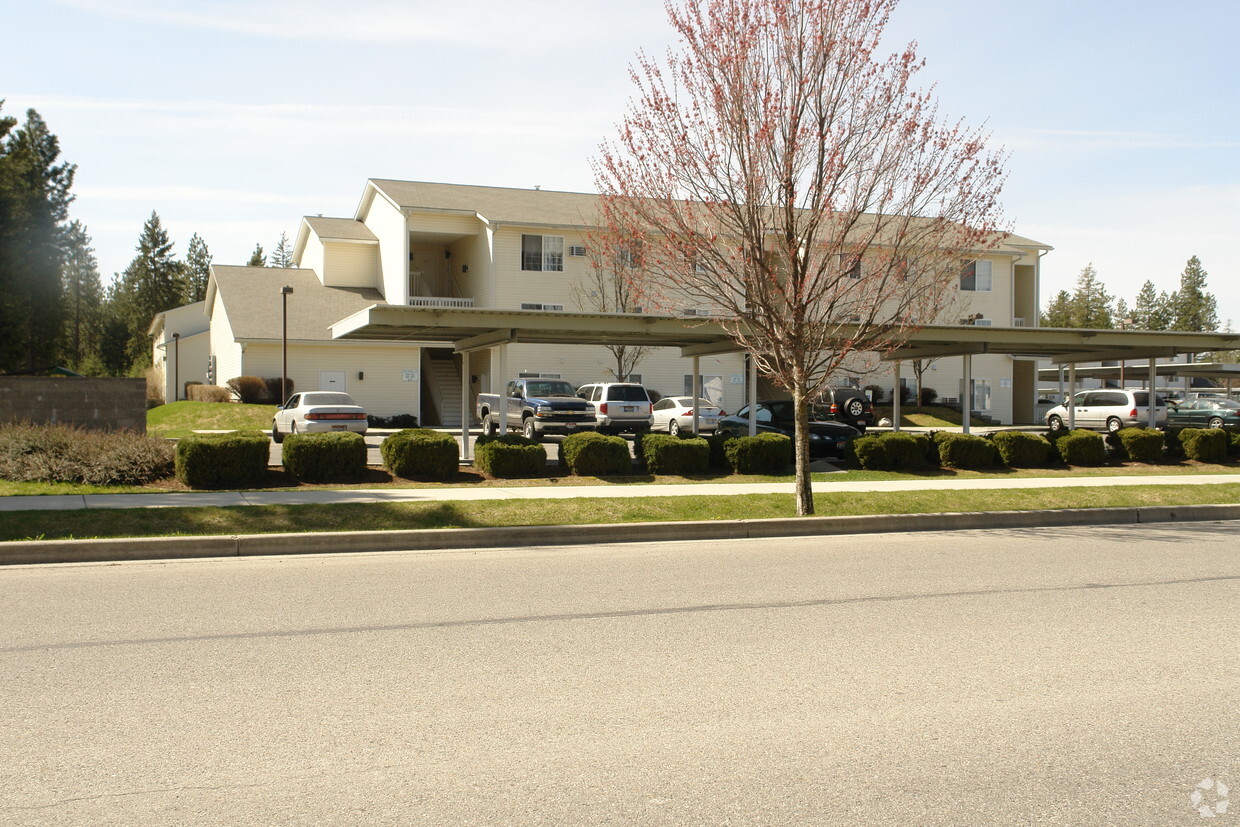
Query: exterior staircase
[[442, 379]]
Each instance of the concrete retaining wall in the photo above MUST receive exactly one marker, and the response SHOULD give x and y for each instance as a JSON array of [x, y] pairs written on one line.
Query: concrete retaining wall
[[101, 403]]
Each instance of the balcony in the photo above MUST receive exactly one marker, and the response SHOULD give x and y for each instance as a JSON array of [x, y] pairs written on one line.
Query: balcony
[[440, 301]]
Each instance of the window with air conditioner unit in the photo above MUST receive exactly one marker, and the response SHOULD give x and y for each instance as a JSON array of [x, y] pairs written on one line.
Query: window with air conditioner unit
[[576, 251], [542, 252]]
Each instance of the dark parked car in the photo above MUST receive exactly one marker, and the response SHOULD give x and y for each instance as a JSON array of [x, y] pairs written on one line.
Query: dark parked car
[[848, 405], [826, 438], [1204, 412]]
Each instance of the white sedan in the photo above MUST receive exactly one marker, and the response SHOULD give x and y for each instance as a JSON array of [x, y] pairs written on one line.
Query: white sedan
[[675, 414], [317, 412]]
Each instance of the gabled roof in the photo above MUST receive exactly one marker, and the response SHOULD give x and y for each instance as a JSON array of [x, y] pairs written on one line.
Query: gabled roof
[[531, 207], [253, 303], [340, 229]]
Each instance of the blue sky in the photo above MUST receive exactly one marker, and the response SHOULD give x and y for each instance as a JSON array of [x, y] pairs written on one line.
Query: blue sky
[[233, 119]]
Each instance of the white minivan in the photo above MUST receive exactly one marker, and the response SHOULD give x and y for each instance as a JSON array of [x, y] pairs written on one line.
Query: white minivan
[[1110, 409]]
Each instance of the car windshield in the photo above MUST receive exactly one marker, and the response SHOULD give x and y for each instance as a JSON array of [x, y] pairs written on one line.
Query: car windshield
[[327, 399], [550, 389]]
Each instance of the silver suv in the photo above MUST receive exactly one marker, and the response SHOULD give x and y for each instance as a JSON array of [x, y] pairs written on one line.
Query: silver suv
[[618, 406], [1110, 409]]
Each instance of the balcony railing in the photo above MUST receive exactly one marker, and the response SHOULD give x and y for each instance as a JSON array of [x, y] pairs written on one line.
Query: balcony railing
[[439, 301]]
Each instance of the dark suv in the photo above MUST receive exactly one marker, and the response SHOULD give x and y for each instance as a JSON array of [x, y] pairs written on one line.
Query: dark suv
[[847, 405]]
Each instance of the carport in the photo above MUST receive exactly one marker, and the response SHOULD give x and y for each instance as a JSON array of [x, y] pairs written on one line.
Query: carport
[[468, 330]]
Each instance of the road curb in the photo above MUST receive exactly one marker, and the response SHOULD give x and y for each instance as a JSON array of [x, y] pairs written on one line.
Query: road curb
[[451, 539]]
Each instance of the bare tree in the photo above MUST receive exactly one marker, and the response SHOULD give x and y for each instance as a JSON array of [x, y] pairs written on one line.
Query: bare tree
[[774, 167], [608, 287]]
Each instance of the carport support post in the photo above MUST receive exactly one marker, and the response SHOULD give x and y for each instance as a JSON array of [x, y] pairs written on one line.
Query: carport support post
[[697, 390], [966, 397], [753, 395], [1071, 396], [1153, 388], [503, 389], [465, 406], [895, 396]]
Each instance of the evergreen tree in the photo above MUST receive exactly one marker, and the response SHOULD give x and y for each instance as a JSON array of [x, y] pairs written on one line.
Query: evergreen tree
[[34, 206], [1193, 307], [1151, 310], [1123, 316], [152, 283], [83, 302], [197, 268], [257, 258], [1089, 306], [282, 255], [1059, 311]]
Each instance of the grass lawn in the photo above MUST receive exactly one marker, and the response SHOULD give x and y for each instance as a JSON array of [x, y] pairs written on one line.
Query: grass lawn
[[926, 416], [149, 522], [179, 419]]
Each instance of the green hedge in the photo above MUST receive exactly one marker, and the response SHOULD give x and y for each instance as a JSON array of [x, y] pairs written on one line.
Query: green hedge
[[1137, 444], [762, 454], [421, 452], [1204, 444], [591, 454], [1081, 447], [340, 455], [895, 451], [1022, 450], [718, 454], [223, 460], [966, 451], [665, 454], [508, 456]]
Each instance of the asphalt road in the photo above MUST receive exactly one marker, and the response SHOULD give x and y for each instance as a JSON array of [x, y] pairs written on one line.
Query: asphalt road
[[1066, 676]]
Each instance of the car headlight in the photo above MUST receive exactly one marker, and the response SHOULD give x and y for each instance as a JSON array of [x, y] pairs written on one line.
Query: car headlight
[[544, 410]]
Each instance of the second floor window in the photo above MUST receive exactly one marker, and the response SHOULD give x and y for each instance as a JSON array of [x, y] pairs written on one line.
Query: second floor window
[[542, 252], [976, 276]]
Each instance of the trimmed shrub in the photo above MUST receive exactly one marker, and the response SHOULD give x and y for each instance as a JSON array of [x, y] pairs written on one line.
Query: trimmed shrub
[[1233, 445], [340, 455], [928, 395], [718, 454], [966, 451], [893, 451], [506, 456], [666, 454], [1081, 447], [1022, 450], [67, 453], [208, 393], [591, 454], [421, 452], [761, 454], [223, 460], [249, 390], [273, 389], [402, 420], [1204, 444], [1137, 444]]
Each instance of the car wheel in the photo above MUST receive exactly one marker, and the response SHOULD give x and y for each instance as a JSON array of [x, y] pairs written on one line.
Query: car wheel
[[1215, 422], [276, 436], [488, 425], [528, 429], [855, 408], [1113, 425], [1055, 423], [673, 427]]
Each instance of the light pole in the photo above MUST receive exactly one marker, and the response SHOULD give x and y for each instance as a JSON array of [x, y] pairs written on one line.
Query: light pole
[[285, 292], [176, 367]]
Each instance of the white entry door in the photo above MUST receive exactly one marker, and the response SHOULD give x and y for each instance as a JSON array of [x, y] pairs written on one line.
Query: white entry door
[[331, 380]]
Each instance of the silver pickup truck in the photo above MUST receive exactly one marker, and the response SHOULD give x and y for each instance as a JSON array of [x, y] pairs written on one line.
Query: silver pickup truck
[[537, 407]]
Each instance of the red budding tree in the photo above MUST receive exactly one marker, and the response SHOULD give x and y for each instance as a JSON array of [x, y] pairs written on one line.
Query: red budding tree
[[775, 168]]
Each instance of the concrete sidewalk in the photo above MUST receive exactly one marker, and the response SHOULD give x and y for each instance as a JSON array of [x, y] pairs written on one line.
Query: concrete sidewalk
[[173, 499]]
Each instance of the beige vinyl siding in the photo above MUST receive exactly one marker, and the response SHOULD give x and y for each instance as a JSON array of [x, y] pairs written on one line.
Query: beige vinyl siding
[[388, 225], [474, 253], [224, 345], [350, 264], [514, 285], [312, 255], [995, 305], [442, 224], [382, 390]]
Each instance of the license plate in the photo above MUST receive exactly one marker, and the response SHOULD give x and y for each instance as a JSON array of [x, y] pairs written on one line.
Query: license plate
[[340, 427], [571, 425], [629, 408]]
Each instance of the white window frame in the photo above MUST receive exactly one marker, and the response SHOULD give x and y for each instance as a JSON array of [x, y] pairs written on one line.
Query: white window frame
[[549, 257], [977, 276], [974, 398]]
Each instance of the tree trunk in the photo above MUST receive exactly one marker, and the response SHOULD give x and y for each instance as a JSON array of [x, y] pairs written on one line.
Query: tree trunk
[[804, 490]]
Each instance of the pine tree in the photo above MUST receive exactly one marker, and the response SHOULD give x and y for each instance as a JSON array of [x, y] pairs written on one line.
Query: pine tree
[[197, 267], [1059, 311], [257, 258], [34, 208], [83, 307], [1091, 303], [282, 255], [1194, 308], [152, 283], [1151, 310]]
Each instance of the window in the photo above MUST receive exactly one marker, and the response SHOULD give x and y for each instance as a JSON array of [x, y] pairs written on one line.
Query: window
[[540, 306], [981, 394], [850, 266], [976, 276], [542, 252]]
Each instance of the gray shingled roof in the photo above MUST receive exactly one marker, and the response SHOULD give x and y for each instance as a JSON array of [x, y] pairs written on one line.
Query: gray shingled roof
[[346, 229], [522, 206], [252, 301]]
